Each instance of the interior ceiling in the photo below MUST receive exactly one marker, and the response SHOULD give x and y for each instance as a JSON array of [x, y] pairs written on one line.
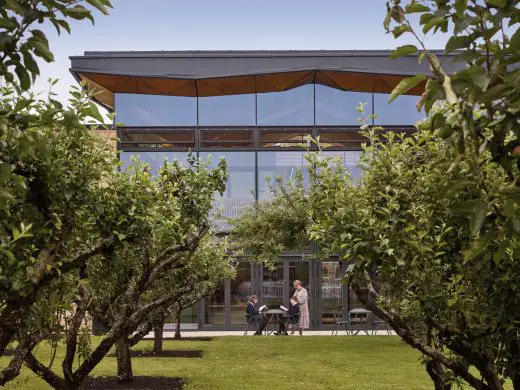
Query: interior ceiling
[[105, 85]]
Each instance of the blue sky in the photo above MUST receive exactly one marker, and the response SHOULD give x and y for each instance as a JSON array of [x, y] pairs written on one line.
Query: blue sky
[[224, 25]]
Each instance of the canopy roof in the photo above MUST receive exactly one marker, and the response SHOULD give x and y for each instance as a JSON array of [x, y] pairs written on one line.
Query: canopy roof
[[216, 73]]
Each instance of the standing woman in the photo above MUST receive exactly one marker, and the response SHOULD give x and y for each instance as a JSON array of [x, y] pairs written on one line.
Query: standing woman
[[303, 297]]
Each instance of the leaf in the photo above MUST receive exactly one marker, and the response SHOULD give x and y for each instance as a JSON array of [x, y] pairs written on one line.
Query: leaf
[[402, 51], [30, 63], [23, 76], [415, 8], [456, 42], [478, 246], [460, 6], [433, 22], [405, 85], [400, 30], [474, 209], [497, 3], [78, 12], [514, 42], [100, 5]]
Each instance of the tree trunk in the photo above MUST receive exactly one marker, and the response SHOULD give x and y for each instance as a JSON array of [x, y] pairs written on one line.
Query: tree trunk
[[437, 374], [178, 327], [124, 361], [158, 337]]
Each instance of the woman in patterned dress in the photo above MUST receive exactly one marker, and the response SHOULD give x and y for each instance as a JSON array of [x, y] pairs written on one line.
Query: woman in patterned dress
[[303, 297]]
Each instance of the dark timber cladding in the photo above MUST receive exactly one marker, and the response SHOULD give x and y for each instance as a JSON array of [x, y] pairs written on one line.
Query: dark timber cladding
[[215, 73]]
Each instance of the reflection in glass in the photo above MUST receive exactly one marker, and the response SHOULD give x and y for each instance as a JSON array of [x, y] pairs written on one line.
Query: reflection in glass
[[294, 107], [240, 185], [214, 308], [335, 107], [170, 138], [299, 270], [240, 293], [350, 160], [272, 286], [226, 139], [284, 164], [330, 290], [230, 110], [154, 160], [401, 111], [284, 139], [155, 110]]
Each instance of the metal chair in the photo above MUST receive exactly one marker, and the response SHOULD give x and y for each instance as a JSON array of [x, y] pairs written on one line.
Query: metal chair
[[358, 317], [338, 317], [251, 321], [377, 322]]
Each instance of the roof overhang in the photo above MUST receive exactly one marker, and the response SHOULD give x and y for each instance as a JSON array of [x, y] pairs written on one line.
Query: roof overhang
[[229, 73]]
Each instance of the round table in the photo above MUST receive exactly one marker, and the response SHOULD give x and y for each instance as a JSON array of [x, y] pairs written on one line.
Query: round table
[[272, 317]]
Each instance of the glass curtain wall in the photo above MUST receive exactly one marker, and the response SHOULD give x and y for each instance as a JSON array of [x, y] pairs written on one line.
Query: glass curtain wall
[[240, 186], [307, 105]]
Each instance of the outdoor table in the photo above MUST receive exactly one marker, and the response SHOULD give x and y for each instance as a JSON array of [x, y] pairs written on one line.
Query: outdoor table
[[359, 316], [272, 318]]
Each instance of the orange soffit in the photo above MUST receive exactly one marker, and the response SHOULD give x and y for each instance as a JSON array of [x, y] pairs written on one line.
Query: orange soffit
[[105, 85]]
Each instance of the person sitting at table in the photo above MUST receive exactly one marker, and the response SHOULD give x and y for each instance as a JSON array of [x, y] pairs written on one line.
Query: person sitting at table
[[294, 308], [255, 315]]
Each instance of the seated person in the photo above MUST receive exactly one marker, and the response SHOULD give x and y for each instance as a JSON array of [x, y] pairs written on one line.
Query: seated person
[[294, 308], [255, 315]]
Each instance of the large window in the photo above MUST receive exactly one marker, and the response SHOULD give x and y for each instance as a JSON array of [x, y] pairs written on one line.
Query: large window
[[232, 110], [335, 107], [284, 164], [155, 110], [294, 107], [401, 111], [240, 185]]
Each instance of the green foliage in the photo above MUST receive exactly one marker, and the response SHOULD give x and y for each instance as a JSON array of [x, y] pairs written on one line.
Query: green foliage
[[21, 44], [172, 259]]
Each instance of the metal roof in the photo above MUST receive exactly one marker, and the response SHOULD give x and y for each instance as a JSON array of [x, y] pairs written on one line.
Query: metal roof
[[213, 73]]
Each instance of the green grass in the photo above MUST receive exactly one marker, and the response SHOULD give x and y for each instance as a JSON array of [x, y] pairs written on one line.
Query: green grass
[[378, 362]]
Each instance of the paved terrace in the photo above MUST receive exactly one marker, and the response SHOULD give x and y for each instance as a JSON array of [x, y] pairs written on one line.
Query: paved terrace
[[216, 333]]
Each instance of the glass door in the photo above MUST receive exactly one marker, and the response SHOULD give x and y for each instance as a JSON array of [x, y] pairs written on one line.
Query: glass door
[[331, 291], [273, 284], [215, 308], [241, 290]]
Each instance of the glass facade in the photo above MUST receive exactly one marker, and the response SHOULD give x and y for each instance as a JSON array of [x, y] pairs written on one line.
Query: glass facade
[[401, 111], [335, 107], [283, 164], [231, 110], [155, 110], [294, 107], [261, 136]]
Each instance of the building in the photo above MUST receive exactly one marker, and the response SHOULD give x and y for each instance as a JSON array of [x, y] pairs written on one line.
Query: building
[[254, 108]]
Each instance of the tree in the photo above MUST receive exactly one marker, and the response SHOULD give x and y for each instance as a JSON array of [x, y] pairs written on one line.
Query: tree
[[21, 44], [120, 287], [59, 207], [46, 155]]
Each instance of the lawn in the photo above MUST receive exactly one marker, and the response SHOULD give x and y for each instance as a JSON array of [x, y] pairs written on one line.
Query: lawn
[[343, 362]]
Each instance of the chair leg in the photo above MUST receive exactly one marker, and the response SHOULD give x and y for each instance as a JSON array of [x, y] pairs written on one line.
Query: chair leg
[[247, 328], [335, 330]]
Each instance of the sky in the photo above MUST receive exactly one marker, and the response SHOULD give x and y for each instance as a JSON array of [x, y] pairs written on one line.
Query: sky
[[223, 25]]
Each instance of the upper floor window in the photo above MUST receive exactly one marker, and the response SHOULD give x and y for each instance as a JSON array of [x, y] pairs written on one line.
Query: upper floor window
[[335, 107], [294, 107], [401, 111], [229, 110], [155, 110]]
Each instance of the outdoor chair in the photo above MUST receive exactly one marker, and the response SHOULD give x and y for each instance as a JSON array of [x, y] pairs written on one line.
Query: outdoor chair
[[377, 323], [340, 321], [251, 322], [359, 317]]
